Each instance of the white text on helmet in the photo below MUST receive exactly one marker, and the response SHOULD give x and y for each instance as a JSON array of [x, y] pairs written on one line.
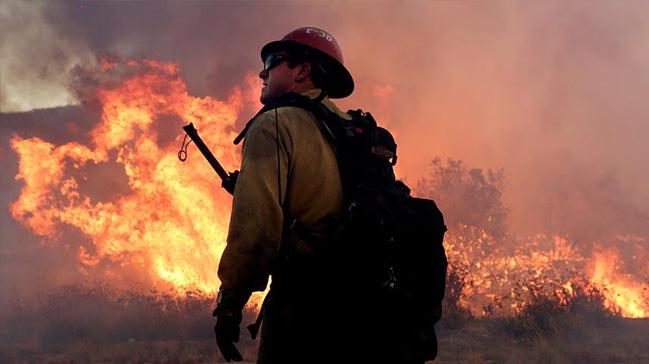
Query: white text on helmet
[[321, 33]]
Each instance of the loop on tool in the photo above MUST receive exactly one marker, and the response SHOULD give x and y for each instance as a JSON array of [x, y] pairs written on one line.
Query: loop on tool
[[182, 153]]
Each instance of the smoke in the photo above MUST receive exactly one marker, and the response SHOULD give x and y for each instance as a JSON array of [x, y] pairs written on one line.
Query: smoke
[[552, 93], [37, 56]]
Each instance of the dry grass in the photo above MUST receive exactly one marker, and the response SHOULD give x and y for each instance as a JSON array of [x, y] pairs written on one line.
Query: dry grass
[[81, 325], [575, 340], [581, 331]]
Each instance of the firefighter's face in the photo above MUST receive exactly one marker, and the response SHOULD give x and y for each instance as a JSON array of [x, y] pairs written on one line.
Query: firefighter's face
[[279, 78]]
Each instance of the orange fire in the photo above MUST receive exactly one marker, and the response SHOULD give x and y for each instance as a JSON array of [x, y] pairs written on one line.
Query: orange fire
[[623, 294], [171, 222], [506, 278]]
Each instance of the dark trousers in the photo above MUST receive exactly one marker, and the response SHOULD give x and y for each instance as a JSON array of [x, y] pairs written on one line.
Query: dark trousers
[[313, 320]]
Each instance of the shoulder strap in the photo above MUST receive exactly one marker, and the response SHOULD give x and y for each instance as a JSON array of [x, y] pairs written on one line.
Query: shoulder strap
[[323, 117], [289, 99]]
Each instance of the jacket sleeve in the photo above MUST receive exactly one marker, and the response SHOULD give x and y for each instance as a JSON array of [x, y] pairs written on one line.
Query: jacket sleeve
[[256, 222]]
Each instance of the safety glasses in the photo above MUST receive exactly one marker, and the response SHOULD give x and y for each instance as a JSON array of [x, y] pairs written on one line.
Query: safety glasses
[[273, 60]]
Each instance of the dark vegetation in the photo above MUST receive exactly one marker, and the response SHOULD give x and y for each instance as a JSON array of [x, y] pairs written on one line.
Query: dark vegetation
[[468, 197], [81, 324]]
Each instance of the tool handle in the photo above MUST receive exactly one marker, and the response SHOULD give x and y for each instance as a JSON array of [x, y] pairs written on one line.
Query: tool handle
[[193, 134]]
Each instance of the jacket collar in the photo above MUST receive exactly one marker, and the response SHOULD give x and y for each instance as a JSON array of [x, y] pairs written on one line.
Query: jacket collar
[[315, 92]]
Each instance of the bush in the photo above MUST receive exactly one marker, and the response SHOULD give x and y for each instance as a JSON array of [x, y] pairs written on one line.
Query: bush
[[467, 196]]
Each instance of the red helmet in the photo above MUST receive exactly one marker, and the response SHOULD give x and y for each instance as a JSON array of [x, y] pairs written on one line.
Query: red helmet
[[326, 49]]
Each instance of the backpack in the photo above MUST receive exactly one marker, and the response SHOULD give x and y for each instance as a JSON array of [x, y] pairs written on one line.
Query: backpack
[[389, 245]]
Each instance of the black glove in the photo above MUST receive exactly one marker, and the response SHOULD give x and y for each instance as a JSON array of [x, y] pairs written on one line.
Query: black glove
[[228, 315], [227, 333]]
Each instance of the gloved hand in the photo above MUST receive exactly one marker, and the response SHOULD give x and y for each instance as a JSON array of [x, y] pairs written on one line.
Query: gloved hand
[[228, 315], [227, 333]]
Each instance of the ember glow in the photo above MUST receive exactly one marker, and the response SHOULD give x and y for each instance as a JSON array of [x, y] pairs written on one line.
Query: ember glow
[[172, 222]]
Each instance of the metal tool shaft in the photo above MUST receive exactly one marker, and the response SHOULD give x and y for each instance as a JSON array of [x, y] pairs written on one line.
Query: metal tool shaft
[[193, 134]]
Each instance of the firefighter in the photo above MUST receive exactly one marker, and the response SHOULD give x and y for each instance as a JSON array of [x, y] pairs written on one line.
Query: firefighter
[[288, 176]]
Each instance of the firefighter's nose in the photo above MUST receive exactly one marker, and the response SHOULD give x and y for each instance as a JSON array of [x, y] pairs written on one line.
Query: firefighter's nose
[[263, 74]]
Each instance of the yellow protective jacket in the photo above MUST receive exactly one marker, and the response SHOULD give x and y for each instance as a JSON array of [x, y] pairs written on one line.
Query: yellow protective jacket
[[296, 173]]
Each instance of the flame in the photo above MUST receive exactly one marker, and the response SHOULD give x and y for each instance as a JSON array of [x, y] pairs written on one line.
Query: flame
[[622, 293], [173, 220]]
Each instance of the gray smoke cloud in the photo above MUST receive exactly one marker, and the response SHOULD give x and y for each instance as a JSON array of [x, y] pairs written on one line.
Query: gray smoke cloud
[[37, 56], [551, 92]]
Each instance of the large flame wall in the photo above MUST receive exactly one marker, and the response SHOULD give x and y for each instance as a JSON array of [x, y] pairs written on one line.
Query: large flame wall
[[173, 222]]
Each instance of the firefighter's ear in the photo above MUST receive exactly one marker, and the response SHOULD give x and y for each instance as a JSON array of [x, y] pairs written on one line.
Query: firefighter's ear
[[304, 72]]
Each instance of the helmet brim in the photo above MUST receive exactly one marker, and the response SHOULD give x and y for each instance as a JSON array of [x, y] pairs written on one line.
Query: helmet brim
[[342, 83]]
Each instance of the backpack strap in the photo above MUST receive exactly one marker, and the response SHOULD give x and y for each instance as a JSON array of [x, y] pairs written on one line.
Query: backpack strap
[[289, 99]]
